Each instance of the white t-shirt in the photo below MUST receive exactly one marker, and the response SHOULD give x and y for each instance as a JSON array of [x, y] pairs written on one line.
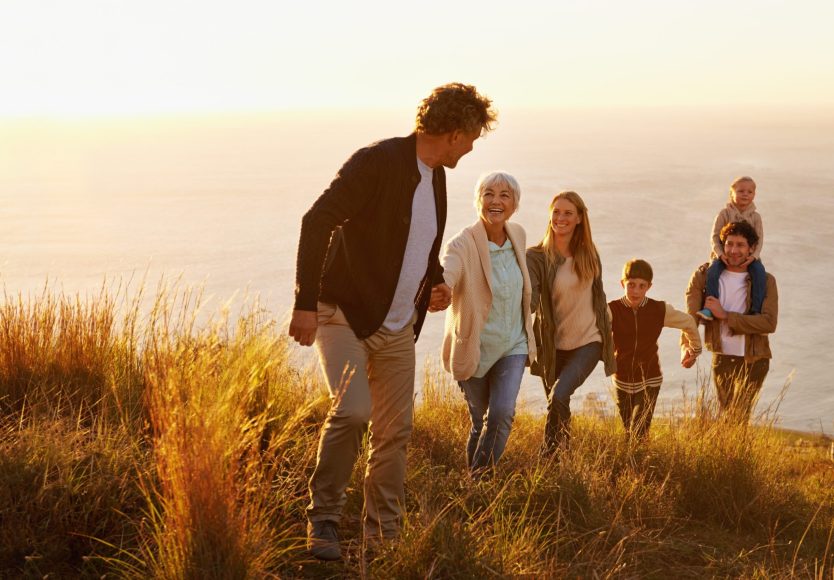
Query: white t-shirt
[[421, 234], [732, 294]]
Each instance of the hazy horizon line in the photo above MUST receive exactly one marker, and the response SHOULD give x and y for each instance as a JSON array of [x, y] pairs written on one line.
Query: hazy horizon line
[[804, 109]]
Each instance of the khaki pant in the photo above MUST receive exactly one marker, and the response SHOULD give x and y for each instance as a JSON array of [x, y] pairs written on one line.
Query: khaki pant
[[738, 384], [370, 381]]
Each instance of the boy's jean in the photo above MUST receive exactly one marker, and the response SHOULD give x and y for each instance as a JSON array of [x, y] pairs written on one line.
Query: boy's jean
[[758, 282], [636, 410], [572, 368], [491, 399]]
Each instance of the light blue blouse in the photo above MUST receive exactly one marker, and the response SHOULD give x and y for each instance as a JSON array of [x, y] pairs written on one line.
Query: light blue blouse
[[503, 334]]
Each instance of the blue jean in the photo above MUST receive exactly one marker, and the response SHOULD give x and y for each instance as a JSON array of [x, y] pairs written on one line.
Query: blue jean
[[758, 282], [491, 399], [572, 368]]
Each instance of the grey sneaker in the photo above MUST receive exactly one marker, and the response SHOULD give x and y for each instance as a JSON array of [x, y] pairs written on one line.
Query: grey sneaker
[[323, 540]]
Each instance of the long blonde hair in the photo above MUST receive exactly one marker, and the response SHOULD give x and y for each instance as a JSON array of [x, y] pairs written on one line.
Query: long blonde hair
[[585, 256]]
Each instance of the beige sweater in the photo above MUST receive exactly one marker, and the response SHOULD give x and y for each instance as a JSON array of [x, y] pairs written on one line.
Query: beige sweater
[[573, 305], [467, 270], [732, 214]]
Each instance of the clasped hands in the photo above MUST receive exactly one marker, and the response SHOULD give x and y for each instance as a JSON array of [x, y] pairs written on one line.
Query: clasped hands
[[441, 297], [688, 359], [303, 325]]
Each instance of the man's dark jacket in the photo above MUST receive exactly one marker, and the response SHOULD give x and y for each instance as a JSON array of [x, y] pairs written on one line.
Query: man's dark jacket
[[353, 239]]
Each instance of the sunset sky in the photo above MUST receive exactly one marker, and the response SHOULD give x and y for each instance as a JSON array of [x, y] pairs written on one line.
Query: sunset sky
[[116, 57]]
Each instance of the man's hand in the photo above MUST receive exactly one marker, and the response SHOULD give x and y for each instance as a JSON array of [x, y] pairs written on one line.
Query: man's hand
[[688, 359], [303, 326], [715, 307], [441, 297]]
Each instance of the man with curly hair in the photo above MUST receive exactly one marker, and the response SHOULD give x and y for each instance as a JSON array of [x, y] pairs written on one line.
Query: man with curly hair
[[737, 336], [366, 273]]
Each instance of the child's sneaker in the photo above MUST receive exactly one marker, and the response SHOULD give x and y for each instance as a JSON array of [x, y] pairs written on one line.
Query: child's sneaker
[[706, 314]]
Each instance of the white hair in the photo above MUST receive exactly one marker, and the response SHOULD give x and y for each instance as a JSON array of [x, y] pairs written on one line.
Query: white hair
[[494, 178]]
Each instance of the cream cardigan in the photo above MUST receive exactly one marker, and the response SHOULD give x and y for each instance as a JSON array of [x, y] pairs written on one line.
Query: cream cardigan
[[467, 270]]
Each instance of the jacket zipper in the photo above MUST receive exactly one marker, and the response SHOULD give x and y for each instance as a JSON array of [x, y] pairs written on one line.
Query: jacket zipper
[[634, 353]]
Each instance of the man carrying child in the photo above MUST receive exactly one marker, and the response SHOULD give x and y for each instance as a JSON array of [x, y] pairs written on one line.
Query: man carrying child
[[737, 336]]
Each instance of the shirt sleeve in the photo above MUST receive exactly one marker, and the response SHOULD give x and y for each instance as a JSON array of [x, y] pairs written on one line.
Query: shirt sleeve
[[452, 261], [720, 222], [348, 195], [759, 227], [536, 279], [690, 339], [695, 292]]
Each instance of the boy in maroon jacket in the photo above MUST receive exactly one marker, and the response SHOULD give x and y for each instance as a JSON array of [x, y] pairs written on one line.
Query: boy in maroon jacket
[[636, 324]]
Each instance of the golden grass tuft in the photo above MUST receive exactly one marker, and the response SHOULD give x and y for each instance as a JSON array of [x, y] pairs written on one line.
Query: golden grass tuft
[[175, 444]]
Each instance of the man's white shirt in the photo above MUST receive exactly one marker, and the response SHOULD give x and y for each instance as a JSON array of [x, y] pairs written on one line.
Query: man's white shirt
[[421, 234], [732, 294]]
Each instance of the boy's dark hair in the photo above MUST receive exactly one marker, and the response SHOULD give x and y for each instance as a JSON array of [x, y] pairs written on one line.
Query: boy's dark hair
[[452, 107], [741, 228], [636, 268]]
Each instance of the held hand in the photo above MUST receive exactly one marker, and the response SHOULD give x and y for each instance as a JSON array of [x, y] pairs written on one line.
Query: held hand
[[441, 297], [715, 307], [688, 359], [303, 326], [724, 259]]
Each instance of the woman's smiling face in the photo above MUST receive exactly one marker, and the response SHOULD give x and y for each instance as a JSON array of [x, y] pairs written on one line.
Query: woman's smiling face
[[564, 218], [496, 203]]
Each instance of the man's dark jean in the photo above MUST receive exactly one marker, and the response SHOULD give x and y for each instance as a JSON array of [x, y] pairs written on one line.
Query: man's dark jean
[[738, 384]]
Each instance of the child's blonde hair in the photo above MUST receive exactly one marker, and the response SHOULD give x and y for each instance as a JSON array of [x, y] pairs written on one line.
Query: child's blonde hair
[[585, 256], [738, 180]]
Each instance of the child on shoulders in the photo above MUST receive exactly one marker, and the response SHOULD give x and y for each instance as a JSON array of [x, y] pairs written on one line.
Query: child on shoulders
[[739, 208]]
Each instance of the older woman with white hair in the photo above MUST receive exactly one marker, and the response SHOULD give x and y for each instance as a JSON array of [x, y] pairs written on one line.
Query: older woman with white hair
[[489, 334]]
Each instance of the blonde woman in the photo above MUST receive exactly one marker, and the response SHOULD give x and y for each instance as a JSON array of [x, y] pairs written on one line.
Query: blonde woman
[[489, 333], [572, 325]]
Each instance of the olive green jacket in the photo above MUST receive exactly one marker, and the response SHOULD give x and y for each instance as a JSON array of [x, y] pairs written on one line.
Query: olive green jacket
[[542, 278]]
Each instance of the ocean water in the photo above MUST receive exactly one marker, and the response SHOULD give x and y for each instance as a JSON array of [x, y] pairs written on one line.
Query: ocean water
[[217, 202]]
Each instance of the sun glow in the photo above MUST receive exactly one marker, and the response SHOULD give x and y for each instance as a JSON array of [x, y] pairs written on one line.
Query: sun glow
[[114, 57]]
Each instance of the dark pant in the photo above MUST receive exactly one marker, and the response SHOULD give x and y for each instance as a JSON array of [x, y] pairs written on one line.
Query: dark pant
[[738, 384], [637, 409], [758, 282], [572, 368]]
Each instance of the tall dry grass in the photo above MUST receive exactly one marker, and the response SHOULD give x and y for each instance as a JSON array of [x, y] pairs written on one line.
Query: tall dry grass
[[62, 353], [702, 497], [175, 444], [181, 434]]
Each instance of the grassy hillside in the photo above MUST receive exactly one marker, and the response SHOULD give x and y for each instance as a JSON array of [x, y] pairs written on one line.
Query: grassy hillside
[[146, 445]]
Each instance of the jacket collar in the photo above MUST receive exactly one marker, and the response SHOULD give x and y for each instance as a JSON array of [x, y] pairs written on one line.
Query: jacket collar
[[478, 232], [746, 213], [626, 303]]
